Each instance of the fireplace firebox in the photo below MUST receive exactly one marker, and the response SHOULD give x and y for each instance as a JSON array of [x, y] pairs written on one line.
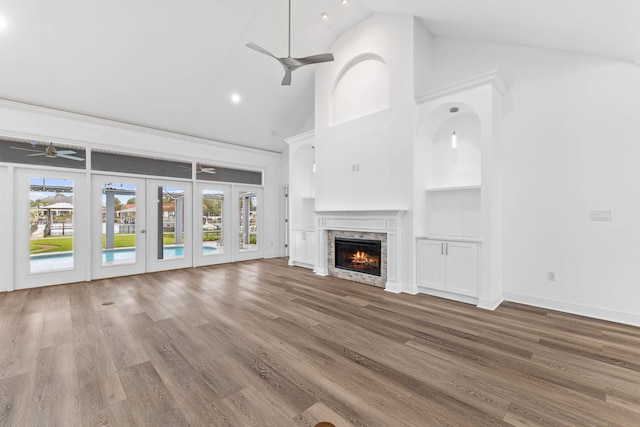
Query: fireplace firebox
[[363, 256]]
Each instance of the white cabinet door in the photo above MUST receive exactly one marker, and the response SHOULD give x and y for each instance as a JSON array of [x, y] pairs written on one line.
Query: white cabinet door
[[431, 264], [310, 238], [298, 246], [448, 266], [462, 268], [303, 247]]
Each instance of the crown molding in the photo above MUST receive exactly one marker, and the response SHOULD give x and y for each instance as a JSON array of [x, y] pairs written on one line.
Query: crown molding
[[300, 137], [491, 77], [68, 115]]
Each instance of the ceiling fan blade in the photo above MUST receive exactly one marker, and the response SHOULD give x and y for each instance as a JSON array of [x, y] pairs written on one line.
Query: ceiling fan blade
[[315, 59], [37, 154], [70, 157], [286, 81], [25, 149], [261, 50]]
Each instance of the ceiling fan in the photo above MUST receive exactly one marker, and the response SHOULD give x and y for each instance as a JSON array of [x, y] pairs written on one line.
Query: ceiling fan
[[204, 169], [51, 152], [200, 168], [291, 64]]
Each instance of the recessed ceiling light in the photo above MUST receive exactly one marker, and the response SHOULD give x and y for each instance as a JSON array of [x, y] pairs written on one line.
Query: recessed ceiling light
[[345, 1], [325, 16], [235, 98]]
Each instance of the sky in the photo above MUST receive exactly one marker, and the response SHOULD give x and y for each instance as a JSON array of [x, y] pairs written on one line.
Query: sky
[[35, 195]]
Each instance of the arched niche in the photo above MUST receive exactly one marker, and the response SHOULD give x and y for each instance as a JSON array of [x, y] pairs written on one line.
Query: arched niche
[[447, 166], [362, 87]]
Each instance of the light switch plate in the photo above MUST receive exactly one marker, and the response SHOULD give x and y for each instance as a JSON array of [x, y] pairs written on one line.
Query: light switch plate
[[601, 216]]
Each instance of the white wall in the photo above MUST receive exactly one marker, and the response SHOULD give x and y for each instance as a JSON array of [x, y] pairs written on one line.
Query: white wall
[[422, 52], [380, 144], [569, 146], [39, 123], [367, 163]]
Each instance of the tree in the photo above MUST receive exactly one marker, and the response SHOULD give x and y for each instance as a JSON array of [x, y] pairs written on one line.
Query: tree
[[131, 201], [117, 204], [211, 207]]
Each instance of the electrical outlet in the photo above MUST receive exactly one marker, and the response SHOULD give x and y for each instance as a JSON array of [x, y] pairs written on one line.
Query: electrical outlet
[[551, 276], [355, 168]]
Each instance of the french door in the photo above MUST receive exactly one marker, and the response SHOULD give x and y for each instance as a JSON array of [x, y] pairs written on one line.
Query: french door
[[51, 218], [140, 225], [71, 227], [212, 224], [119, 226], [248, 223]]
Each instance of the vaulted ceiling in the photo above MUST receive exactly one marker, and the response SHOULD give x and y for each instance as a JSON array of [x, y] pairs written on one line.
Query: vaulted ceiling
[[173, 65]]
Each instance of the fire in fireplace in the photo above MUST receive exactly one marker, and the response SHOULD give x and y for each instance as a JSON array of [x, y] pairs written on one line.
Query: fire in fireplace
[[358, 255]]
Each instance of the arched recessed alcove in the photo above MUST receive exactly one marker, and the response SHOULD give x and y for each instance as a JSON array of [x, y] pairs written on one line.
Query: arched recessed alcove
[[361, 88], [448, 165]]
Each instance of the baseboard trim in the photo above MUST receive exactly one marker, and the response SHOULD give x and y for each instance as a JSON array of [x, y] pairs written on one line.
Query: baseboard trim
[[578, 309], [400, 288], [490, 303], [320, 271], [448, 295]]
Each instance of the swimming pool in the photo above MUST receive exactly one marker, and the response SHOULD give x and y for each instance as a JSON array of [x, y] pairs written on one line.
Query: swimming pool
[[40, 263]]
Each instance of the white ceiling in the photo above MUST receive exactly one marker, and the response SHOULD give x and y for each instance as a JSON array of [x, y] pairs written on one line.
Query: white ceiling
[[173, 65]]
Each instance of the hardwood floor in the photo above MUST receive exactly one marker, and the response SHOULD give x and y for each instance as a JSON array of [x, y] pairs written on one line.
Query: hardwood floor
[[260, 343]]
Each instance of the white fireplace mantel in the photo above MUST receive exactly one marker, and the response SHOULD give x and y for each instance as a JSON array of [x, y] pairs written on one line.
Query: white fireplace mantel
[[377, 221]]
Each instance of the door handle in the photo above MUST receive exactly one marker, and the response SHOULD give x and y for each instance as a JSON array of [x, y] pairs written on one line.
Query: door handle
[[143, 231]]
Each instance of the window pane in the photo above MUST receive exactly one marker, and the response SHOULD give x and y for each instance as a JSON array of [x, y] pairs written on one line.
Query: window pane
[[118, 224], [171, 222], [51, 224], [212, 222], [248, 233]]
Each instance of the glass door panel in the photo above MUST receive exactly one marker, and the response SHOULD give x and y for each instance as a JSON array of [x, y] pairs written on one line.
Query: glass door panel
[[51, 224], [214, 208], [212, 222], [170, 225], [119, 226], [171, 240], [248, 220]]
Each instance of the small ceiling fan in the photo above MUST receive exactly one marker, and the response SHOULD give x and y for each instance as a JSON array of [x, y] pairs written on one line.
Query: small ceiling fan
[[291, 64], [204, 169], [51, 152]]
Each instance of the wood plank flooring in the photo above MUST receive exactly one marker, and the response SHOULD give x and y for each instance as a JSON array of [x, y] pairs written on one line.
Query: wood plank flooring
[[259, 343]]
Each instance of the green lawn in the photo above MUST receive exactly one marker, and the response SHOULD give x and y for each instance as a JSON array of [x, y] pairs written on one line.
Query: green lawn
[[122, 240], [51, 244], [63, 244]]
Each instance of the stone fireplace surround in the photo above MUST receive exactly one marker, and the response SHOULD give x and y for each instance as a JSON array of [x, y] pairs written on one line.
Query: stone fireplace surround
[[375, 225]]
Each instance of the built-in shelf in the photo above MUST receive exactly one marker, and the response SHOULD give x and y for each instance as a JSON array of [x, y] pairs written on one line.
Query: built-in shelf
[[463, 187]]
